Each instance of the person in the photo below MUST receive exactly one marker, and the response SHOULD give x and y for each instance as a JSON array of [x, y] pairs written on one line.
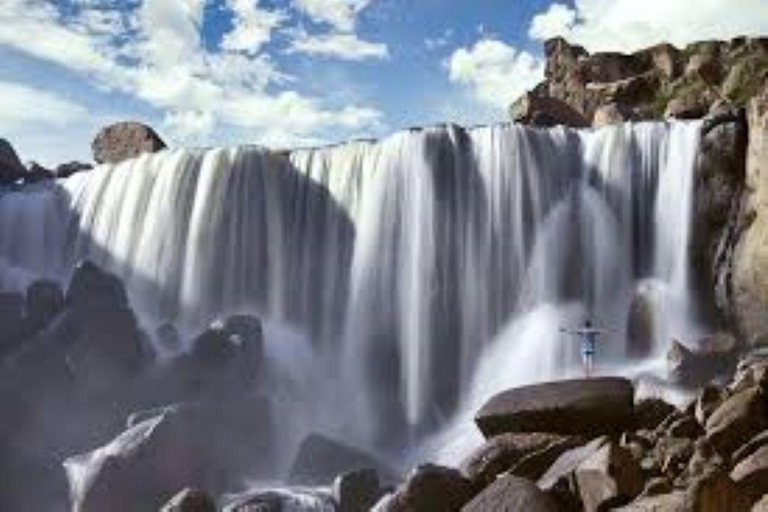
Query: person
[[588, 336]]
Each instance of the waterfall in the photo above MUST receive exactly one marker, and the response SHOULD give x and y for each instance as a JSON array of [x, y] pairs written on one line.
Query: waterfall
[[403, 260]]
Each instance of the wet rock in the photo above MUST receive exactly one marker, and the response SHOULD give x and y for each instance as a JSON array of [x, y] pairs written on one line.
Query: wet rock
[[11, 168], [68, 169], [651, 412], [577, 407], [190, 500], [92, 287], [511, 494], [44, 300], [431, 488], [609, 476], [516, 453], [357, 491], [320, 459], [737, 420], [751, 474], [144, 467], [123, 141]]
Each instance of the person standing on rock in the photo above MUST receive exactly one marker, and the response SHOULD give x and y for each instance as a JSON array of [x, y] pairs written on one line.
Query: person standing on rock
[[588, 336]]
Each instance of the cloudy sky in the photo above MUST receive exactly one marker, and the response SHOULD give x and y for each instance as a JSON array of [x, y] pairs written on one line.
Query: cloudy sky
[[302, 72]]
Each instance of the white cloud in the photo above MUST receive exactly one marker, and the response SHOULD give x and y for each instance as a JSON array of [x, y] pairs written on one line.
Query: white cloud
[[22, 107], [253, 26], [339, 45], [495, 72], [555, 21], [158, 57], [628, 25], [341, 14]]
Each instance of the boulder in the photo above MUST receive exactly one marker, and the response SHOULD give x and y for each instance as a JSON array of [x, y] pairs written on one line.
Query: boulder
[[673, 454], [123, 141], [320, 459], [715, 356], [651, 412], [511, 494], [525, 455], [431, 488], [282, 500], [609, 476], [11, 168], [716, 492], [92, 287], [545, 111], [704, 460], [709, 399], [737, 420], [142, 468], [751, 474], [582, 407], [357, 491], [750, 447], [44, 300], [559, 479], [686, 426], [190, 500], [37, 173], [673, 502]]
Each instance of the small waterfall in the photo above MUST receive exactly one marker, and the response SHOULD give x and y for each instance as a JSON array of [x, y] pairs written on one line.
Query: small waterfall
[[422, 267]]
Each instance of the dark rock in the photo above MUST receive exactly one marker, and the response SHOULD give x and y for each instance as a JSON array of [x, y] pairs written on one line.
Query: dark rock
[[321, 459], [144, 467], [686, 427], [709, 399], [168, 337], [92, 287], [357, 491], [515, 453], [281, 500], [123, 141], [704, 460], [11, 168], [609, 476], [190, 500], [545, 112], [650, 412], [716, 492], [716, 355], [68, 169], [37, 173], [559, 479], [44, 300], [511, 494], [431, 488], [673, 454], [673, 502], [737, 420], [751, 474], [577, 407], [657, 486], [750, 447]]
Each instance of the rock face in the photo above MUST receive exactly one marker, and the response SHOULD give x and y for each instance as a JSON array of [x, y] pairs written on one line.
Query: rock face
[[123, 141], [511, 494], [577, 407], [545, 112], [650, 84], [738, 419], [11, 168], [607, 476]]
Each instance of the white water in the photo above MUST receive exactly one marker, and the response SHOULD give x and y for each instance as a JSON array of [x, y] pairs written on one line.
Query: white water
[[429, 269]]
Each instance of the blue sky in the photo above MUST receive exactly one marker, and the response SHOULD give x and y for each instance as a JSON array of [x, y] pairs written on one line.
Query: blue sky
[[302, 72]]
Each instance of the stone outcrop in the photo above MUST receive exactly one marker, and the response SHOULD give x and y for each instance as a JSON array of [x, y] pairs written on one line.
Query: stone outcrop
[[511, 494], [575, 407], [11, 168], [657, 82], [123, 141]]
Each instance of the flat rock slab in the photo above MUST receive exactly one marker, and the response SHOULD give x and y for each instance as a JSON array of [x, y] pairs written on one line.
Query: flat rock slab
[[585, 407]]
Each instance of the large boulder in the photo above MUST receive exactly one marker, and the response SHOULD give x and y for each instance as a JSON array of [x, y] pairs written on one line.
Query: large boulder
[[559, 480], [123, 141], [320, 459], [145, 466], [714, 356], [11, 168], [357, 491], [525, 455], [431, 488], [511, 494], [583, 407], [737, 420]]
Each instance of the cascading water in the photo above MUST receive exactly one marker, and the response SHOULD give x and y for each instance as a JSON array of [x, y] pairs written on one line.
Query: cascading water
[[404, 261]]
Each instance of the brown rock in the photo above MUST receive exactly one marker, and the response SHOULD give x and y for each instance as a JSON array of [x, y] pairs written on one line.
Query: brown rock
[[585, 407], [651, 412], [737, 420], [432, 488], [751, 474], [507, 451], [607, 476], [545, 111], [750, 447], [708, 401], [511, 494], [559, 479], [124, 141], [716, 492], [672, 502], [610, 114], [762, 505]]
